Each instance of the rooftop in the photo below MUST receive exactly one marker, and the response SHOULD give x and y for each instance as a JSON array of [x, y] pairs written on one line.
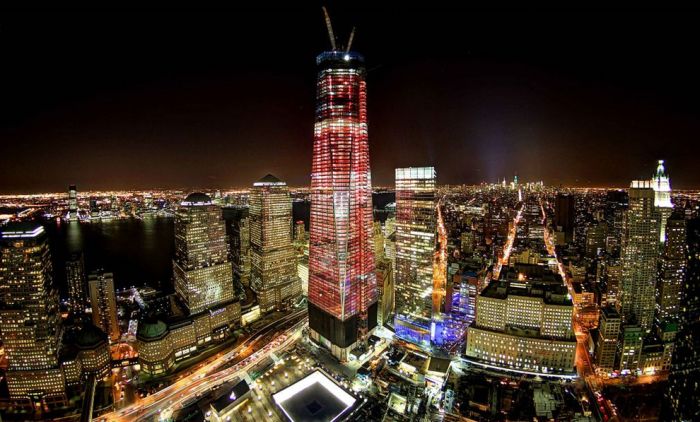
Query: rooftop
[[21, 230], [269, 180], [225, 400], [197, 198], [152, 329], [551, 293]]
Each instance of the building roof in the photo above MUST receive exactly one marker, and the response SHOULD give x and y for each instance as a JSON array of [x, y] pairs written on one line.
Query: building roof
[[551, 293], [236, 393], [21, 229], [269, 180], [152, 329], [90, 336], [196, 198]]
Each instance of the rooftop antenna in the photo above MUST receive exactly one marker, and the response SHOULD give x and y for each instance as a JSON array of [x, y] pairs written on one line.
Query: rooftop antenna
[[352, 35], [330, 27]]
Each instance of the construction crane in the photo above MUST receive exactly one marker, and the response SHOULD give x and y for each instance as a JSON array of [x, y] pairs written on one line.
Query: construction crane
[[352, 35], [330, 28]]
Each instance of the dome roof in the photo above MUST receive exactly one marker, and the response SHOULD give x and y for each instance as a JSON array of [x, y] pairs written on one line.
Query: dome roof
[[90, 336], [152, 329], [197, 197]]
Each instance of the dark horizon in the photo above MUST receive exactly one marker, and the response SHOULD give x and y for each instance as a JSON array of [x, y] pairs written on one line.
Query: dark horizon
[[123, 100]]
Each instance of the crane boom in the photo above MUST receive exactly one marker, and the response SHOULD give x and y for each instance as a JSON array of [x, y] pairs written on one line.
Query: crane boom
[[330, 27], [352, 35]]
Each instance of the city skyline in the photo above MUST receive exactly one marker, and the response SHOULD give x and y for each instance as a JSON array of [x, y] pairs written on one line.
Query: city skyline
[[514, 297], [465, 85]]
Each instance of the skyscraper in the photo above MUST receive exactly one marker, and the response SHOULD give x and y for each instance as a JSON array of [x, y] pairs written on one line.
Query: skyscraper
[[72, 203], [662, 197], [238, 232], [342, 280], [201, 267], [415, 244], [29, 317], [273, 275], [672, 270], [75, 275], [640, 236], [103, 301], [606, 344], [564, 213]]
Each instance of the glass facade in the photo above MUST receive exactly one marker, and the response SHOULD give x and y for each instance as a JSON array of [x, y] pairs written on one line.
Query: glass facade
[[273, 260], [29, 316], [342, 280], [415, 241], [104, 303], [203, 273], [640, 248]]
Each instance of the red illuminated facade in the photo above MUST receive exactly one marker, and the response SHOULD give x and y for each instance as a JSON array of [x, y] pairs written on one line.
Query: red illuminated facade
[[342, 280]]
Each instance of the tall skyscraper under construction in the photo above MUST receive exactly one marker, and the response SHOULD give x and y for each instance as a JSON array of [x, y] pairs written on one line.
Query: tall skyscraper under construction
[[342, 279]]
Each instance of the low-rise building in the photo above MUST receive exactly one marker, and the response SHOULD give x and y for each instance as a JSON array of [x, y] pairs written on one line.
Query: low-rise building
[[524, 326]]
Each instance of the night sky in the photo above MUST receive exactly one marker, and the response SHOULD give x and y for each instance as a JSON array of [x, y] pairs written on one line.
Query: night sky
[[218, 98]]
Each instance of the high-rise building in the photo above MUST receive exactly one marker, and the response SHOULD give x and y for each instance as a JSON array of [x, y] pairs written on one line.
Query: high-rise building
[[690, 295], [77, 284], [672, 270], [342, 279], [564, 215], [385, 290], [630, 348], [29, 316], [72, 203], [662, 197], [596, 237], [201, 267], [273, 274], [238, 232], [616, 203], [299, 232], [103, 301], [415, 246], [682, 400], [608, 335], [640, 234]]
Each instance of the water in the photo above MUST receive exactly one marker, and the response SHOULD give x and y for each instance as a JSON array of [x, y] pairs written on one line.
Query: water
[[138, 251]]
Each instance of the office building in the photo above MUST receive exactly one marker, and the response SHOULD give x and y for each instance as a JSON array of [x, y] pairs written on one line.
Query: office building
[[238, 233], [630, 348], [606, 345], [385, 291], [202, 271], [662, 198], [72, 203], [672, 270], [77, 283], [103, 301], [524, 326], [640, 234], [273, 274], [299, 232], [682, 397], [29, 317], [415, 246], [564, 215], [342, 279]]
